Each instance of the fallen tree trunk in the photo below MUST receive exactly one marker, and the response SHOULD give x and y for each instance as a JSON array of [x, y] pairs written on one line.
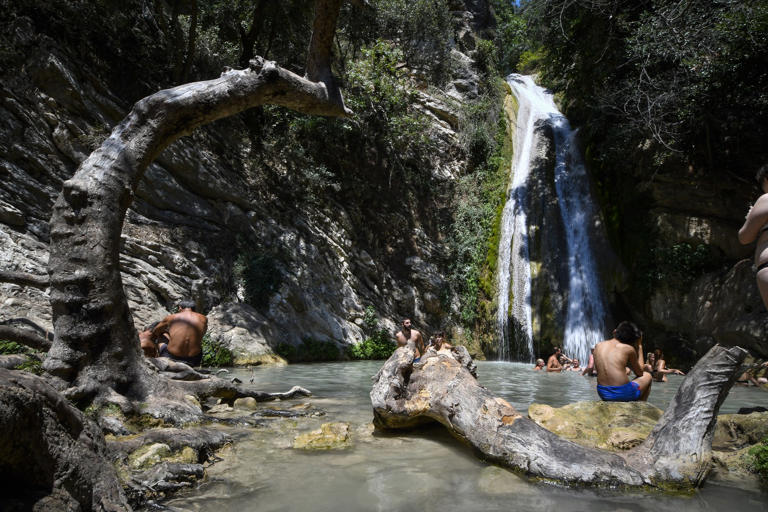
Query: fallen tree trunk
[[442, 389]]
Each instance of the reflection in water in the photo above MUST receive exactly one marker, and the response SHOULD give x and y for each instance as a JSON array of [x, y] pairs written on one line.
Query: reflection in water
[[419, 470]]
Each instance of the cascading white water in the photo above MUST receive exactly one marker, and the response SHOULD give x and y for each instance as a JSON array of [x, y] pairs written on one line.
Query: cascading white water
[[585, 315], [585, 321]]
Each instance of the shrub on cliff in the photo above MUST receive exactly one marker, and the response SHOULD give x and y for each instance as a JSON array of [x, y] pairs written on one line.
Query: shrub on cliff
[[759, 463], [377, 345]]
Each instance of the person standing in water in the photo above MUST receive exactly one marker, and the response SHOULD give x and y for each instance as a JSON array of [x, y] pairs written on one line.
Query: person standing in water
[[613, 356], [755, 228], [407, 336]]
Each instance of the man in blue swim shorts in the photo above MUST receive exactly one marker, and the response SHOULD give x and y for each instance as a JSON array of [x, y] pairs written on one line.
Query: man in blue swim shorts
[[612, 357]]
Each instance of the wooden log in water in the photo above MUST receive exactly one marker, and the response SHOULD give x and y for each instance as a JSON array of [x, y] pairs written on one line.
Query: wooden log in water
[[442, 389]]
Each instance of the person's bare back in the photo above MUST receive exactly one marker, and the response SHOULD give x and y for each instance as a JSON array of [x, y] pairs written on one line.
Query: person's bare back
[[185, 330], [612, 357]]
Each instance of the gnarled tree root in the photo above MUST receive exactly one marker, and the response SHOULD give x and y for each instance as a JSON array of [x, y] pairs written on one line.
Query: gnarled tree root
[[675, 455]]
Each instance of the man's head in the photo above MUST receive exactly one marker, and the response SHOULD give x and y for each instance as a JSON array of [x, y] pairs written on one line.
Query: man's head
[[627, 332], [539, 362], [558, 351], [407, 324], [187, 304]]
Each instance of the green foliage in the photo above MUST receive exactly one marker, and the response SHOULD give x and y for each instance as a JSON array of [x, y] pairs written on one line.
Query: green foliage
[[759, 459], [378, 344], [31, 365], [311, 350], [678, 265], [512, 39], [480, 200], [216, 354], [677, 83], [422, 29], [260, 276], [11, 347]]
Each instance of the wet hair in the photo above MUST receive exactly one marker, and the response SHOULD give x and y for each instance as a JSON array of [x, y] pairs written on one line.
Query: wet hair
[[187, 304], [627, 332], [762, 174], [151, 326], [658, 354]]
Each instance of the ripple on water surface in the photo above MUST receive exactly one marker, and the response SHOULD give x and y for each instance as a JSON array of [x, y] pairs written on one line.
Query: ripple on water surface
[[420, 470]]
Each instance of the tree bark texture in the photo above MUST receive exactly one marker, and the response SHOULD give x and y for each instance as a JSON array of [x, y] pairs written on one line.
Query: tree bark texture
[[95, 343], [52, 457], [440, 388]]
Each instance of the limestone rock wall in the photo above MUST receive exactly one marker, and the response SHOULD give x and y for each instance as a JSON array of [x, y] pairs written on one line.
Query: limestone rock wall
[[198, 201]]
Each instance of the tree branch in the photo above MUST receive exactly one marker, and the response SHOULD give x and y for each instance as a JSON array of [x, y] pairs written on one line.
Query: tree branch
[[24, 279]]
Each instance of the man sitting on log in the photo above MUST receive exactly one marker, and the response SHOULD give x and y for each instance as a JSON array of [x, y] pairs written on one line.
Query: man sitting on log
[[411, 337], [613, 356], [185, 331]]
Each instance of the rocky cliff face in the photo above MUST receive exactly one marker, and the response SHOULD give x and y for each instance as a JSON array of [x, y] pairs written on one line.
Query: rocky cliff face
[[199, 206]]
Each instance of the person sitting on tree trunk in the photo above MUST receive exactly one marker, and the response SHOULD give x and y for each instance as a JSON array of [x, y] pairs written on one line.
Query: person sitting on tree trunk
[[185, 334], [412, 337], [611, 359]]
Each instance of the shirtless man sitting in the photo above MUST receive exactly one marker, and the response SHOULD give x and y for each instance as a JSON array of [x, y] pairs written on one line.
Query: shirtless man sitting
[[612, 357], [185, 332], [553, 363], [410, 337]]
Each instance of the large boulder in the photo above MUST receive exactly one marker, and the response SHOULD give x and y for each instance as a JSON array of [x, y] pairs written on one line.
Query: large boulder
[[619, 426], [52, 457], [609, 426], [245, 332]]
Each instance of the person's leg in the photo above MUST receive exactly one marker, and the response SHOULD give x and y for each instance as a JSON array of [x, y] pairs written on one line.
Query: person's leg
[[644, 383], [762, 285]]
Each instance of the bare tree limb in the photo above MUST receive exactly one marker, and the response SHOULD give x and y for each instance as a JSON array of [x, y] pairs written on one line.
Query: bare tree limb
[[24, 279]]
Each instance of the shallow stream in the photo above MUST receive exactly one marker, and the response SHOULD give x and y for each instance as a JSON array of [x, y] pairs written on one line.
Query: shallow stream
[[421, 470]]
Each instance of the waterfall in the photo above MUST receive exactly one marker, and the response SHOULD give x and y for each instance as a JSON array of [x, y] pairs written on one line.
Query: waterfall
[[585, 314]]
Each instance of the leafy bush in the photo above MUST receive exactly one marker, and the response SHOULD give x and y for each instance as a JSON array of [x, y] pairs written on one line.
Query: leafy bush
[[216, 354], [680, 264], [759, 462], [311, 350], [260, 276], [378, 344], [11, 347], [480, 201]]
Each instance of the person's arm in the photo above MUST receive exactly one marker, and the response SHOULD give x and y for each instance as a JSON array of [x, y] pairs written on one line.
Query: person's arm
[[161, 327], [635, 360], [756, 219]]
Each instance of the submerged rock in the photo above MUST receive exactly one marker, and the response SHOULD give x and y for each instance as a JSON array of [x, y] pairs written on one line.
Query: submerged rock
[[611, 426], [330, 436]]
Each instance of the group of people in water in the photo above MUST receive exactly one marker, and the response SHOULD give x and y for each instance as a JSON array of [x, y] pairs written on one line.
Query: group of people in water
[[178, 336], [612, 362]]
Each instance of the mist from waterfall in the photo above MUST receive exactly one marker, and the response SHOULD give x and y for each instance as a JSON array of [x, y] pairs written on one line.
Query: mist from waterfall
[[585, 311]]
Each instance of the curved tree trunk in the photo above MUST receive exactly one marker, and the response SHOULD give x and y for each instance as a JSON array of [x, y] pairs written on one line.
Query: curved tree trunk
[[96, 344], [440, 388]]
